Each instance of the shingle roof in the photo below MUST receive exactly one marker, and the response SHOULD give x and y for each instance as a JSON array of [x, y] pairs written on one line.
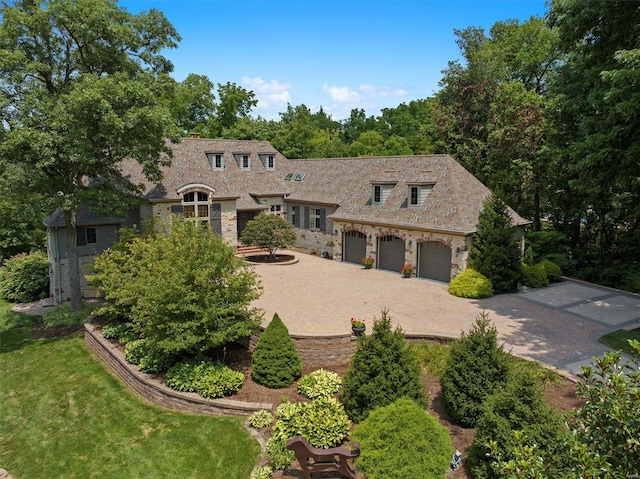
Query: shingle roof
[[190, 165], [452, 205]]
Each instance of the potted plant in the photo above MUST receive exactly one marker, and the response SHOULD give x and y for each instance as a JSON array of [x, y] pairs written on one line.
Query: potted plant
[[407, 270], [357, 326], [367, 262]]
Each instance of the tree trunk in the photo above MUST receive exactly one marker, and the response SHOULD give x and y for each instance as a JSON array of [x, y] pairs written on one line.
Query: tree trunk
[[72, 256]]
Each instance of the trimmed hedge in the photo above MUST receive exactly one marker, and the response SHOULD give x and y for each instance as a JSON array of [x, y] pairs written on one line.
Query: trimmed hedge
[[403, 441], [534, 276], [471, 284], [275, 363], [25, 278], [554, 272]]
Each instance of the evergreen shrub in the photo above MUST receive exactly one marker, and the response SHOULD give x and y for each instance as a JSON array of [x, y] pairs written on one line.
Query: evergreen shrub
[[471, 284], [520, 406], [534, 276], [402, 440], [319, 383], [275, 363], [383, 368], [554, 272], [476, 367], [25, 278]]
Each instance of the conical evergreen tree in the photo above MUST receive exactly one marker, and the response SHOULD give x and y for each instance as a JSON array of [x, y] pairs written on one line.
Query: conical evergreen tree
[[383, 368], [275, 363], [496, 252]]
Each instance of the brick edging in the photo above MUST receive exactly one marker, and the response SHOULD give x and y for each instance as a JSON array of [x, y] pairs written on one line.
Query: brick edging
[[157, 393]]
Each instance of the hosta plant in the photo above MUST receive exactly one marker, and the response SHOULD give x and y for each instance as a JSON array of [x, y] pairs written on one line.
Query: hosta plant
[[260, 419], [319, 383]]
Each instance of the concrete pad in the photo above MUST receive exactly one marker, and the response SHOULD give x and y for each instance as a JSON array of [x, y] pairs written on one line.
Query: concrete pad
[[562, 294], [612, 311]]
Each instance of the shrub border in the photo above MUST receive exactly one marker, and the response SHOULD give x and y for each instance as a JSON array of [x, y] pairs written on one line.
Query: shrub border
[[156, 392]]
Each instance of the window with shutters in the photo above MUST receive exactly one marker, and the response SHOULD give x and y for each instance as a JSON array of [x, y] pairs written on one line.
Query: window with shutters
[[86, 235], [196, 205]]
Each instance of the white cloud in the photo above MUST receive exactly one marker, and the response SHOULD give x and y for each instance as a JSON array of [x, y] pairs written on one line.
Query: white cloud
[[270, 95], [341, 94], [382, 91]]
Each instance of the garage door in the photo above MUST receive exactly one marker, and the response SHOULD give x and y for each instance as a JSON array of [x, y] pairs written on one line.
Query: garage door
[[390, 253], [434, 261], [355, 246]]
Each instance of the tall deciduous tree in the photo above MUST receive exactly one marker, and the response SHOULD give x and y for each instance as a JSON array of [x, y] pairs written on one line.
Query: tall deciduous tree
[[597, 122], [81, 88]]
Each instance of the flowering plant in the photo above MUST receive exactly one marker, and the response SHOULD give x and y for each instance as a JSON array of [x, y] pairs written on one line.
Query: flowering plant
[[407, 268], [368, 261], [358, 323]]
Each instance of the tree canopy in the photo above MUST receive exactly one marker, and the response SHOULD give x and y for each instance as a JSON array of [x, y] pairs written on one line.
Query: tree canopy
[[81, 90], [184, 290]]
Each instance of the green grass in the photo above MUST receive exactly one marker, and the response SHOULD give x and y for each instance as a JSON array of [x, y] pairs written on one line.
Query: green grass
[[433, 359], [432, 356], [63, 415], [619, 340]]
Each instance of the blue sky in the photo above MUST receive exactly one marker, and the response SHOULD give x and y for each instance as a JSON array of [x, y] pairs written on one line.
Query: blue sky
[[368, 54]]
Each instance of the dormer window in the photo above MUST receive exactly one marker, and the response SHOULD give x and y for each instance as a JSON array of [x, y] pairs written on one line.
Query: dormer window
[[418, 193], [244, 161], [268, 161], [216, 161], [381, 192]]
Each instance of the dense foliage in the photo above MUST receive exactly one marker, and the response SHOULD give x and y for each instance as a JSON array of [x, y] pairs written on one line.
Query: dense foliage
[[83, 89], [62, 315], [404, 438], [601, 439], [476, 367], [383, 368], [25, 278], [520, 406], [319, 383], [209, 380], [323, 422], [496, 253], [271, 232], [184, 290], [534, 276], [275, 363], [471, 284]]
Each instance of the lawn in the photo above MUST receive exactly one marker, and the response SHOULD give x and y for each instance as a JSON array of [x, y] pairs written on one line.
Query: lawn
[[62, 414], [619, 340]]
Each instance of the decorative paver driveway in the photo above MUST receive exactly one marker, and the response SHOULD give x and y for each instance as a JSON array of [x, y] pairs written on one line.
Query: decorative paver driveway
[[558, 325]]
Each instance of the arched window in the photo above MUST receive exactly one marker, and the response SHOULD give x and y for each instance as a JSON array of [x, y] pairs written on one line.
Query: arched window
[[196, 205]]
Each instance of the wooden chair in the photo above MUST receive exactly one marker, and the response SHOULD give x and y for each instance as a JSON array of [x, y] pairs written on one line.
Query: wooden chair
[[313, 459]]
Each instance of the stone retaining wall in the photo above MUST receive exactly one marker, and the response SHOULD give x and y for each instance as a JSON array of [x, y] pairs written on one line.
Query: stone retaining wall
[[157, 393]]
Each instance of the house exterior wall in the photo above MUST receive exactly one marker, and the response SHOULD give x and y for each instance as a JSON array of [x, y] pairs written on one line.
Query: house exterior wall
[[161, 214], [459, 244], [309, 238]]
